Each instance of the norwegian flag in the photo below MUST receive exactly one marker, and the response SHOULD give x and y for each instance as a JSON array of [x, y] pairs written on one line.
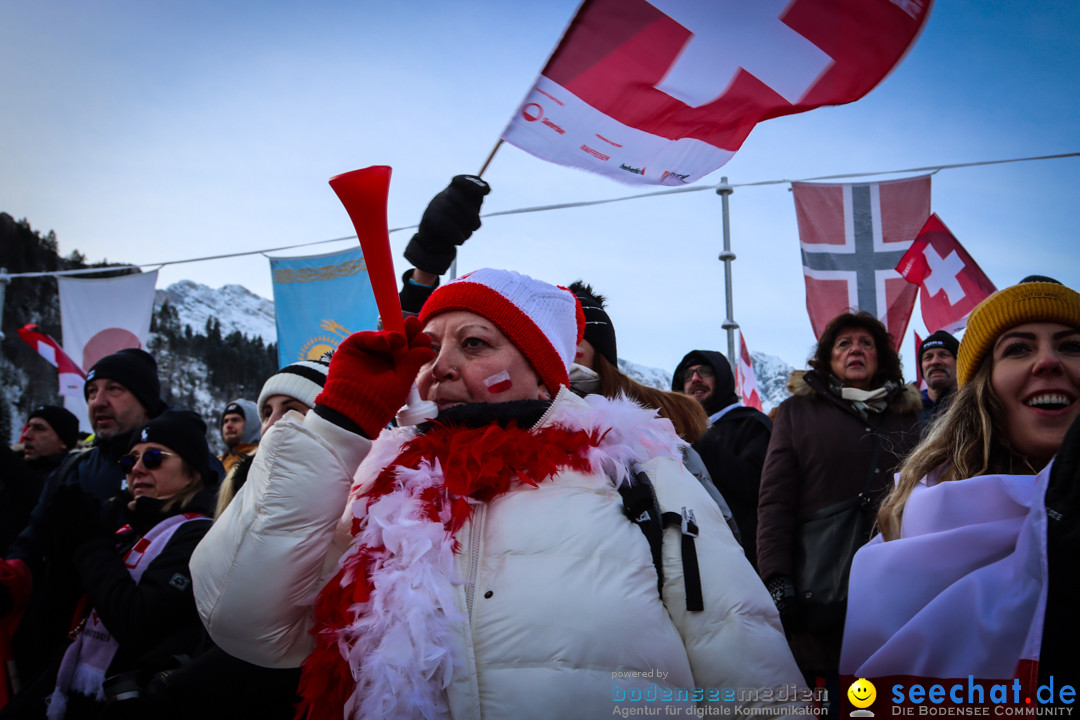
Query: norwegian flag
[[852, 236], [952, 283], [665, 91], [745, 379], [71, 376]]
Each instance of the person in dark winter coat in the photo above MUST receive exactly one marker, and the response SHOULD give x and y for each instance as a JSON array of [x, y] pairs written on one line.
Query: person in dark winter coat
[[733, 447], [50, 433], [140, 610], [845, 430]]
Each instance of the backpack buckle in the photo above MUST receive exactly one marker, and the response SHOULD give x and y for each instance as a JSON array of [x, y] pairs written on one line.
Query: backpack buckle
[[689, 523]]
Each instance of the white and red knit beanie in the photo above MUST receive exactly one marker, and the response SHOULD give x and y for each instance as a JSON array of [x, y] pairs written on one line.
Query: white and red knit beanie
[[543, 321]]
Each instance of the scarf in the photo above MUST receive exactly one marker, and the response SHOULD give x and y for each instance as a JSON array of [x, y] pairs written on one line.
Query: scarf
[[385, 625], [864, 401]]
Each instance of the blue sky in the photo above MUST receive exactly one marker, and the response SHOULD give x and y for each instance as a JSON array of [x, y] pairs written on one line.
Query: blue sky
[[149, 132]]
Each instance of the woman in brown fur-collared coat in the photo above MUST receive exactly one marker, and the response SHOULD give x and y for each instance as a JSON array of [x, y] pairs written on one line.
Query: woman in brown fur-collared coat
[[845, 430]]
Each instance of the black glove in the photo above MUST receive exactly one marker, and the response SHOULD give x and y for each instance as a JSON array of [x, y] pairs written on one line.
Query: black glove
[[449, 220], [75, 518], [782, 590]]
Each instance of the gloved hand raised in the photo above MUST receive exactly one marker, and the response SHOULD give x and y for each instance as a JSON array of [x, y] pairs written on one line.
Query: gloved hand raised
[[371, 373], [449, 220]]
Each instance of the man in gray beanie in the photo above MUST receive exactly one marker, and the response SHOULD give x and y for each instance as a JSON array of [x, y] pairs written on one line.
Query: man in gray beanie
[[240, 429]]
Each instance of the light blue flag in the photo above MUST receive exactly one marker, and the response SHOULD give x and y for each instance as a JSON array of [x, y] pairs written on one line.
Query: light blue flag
[[319, 300]]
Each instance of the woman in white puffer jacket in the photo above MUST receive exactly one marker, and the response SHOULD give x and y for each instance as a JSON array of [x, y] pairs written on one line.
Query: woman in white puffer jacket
[[483, 566]]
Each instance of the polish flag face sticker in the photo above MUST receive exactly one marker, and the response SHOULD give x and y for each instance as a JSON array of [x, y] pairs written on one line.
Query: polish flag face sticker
[[498, 383]]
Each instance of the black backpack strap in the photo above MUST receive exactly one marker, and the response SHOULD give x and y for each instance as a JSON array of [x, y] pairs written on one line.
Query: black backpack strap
[[691, 574], [643, 509], [641, 506]]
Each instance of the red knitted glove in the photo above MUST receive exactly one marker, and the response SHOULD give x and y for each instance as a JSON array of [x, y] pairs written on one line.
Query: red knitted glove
[[371, 373]]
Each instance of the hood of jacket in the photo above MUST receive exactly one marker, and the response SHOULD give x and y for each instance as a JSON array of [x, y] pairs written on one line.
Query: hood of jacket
[[905, 400], [724, 394], [252, 423]]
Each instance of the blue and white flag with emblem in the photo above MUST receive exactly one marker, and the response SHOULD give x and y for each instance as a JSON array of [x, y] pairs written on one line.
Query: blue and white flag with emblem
[[319, 300]]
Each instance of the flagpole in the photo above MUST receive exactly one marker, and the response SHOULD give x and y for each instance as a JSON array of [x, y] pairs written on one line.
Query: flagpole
[[484, 167], [727, 257]]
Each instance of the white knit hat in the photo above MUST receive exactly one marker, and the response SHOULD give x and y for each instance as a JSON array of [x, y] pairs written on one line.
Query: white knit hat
[[543, 321], [302, 380]]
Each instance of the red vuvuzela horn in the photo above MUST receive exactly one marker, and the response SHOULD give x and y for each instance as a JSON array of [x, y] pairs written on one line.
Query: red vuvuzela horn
[[363, 192]]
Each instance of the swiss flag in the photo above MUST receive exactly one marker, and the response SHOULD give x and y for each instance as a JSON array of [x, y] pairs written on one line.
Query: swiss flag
[[851, 237], [70, 375], [952, 283], [745, 378], [665, 91]]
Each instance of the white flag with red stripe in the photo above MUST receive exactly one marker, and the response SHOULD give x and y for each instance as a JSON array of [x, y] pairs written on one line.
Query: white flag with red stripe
[[745, 378], [851, 237], [70, 375], [952, 283], [665, 91]]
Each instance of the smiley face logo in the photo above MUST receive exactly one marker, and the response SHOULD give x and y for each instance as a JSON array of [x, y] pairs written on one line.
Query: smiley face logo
[[862, 693]]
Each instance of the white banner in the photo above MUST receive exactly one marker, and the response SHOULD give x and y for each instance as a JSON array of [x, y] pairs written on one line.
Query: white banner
[[101, 316]]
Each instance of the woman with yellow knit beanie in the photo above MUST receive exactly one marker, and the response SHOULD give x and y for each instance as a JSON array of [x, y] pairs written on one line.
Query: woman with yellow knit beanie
[[974, 573]]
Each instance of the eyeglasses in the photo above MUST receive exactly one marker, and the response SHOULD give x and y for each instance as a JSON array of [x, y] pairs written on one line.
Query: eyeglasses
[[151, 459], [702, 371]]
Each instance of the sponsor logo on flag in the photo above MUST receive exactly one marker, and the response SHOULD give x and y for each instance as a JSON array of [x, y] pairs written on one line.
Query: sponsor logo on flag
[[665, 91], [851, 237]]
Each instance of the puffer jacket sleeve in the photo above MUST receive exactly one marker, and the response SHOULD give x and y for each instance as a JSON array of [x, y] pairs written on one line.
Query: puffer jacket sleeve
[[259, 568], [737, 640]]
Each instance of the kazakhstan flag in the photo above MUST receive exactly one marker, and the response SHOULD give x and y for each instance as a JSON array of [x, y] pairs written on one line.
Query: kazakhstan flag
[[319, 300]]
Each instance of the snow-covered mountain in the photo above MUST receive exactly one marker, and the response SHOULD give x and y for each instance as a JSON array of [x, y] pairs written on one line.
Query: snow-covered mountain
[[237, 308]]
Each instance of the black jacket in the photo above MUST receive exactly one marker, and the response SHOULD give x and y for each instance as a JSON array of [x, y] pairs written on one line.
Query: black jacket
[[734, 447], [155, 618]]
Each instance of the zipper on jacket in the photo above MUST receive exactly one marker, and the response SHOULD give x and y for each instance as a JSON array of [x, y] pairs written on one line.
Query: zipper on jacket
[[476, 532]]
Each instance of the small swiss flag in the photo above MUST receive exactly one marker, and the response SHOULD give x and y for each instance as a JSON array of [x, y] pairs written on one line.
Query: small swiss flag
[[952, 283], [745, 378]]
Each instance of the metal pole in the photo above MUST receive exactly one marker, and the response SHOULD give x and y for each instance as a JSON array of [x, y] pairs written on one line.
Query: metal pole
[[4, 280], [727, 257]]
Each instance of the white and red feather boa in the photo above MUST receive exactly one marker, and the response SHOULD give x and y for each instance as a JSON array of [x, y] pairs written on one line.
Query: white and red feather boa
[[385, 625]]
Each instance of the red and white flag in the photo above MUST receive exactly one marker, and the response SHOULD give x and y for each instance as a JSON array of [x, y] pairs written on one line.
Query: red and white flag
[[665, 91], [920, 381], [952, 283], [852, 237], [745, 378], [99, 317], [70, 375]]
